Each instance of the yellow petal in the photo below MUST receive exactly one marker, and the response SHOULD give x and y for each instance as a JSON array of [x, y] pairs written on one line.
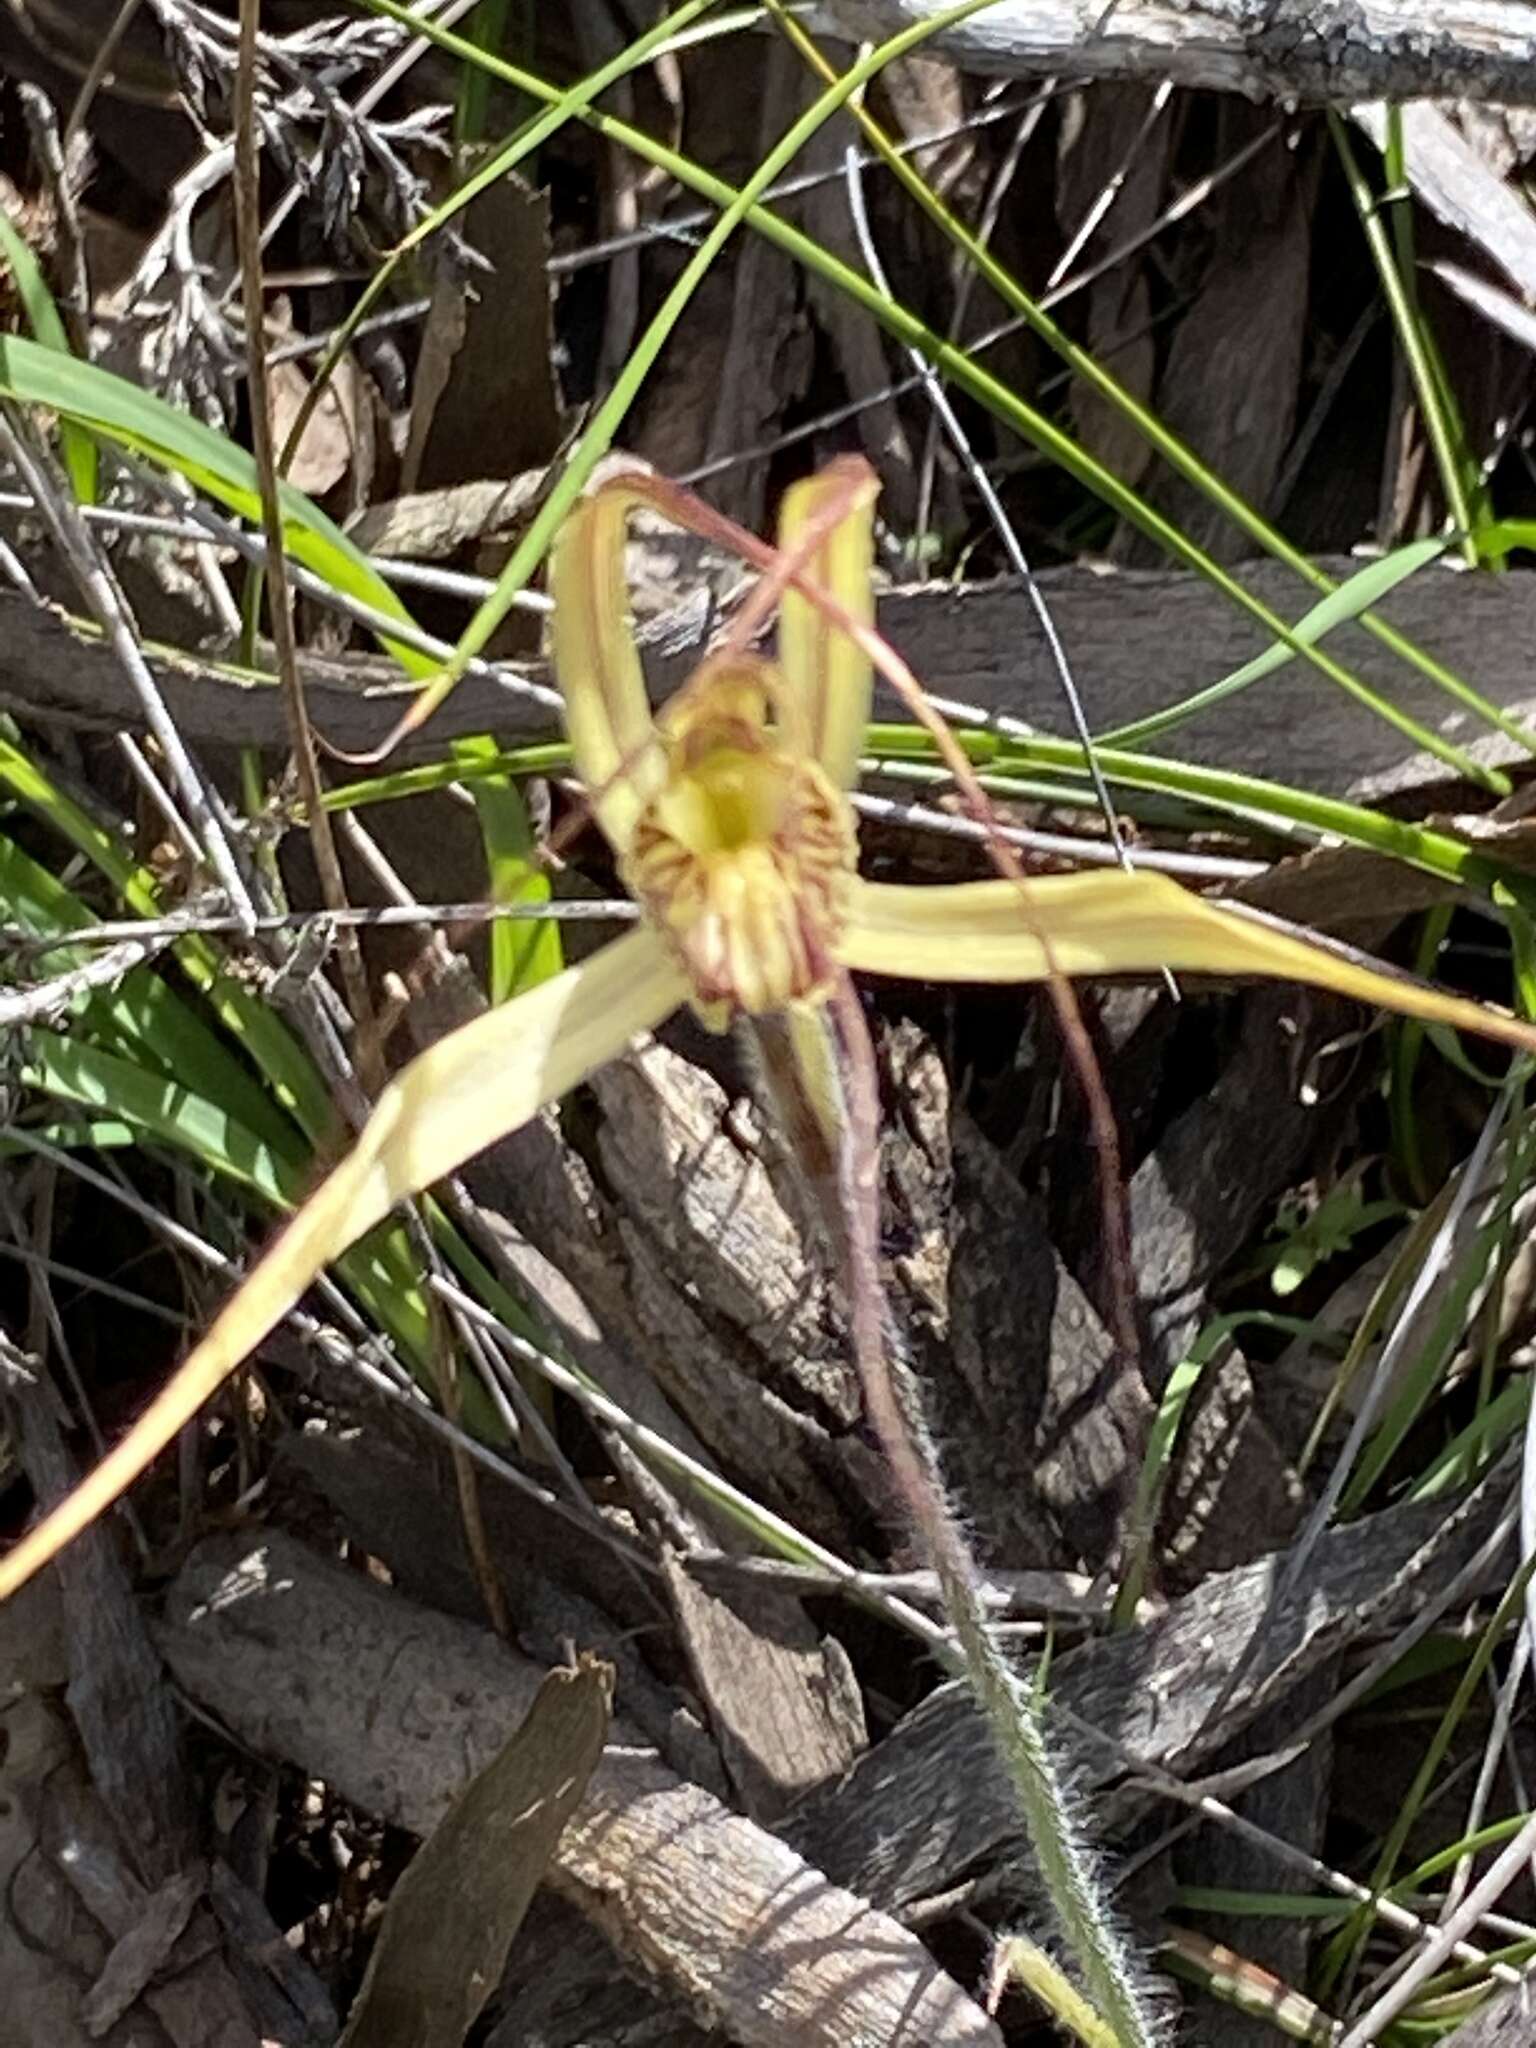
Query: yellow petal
[[827, 676], [452, 1101], [597, 663], [1121, 924]]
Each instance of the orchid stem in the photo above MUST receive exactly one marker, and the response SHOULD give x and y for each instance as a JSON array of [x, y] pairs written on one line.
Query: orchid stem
[[1011, 1708]]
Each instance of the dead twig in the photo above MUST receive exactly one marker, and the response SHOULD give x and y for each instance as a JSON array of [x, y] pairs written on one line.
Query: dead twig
[[280, 597]]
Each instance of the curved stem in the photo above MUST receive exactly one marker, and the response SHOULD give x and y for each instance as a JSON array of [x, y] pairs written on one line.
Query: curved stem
[[1012, 1709]]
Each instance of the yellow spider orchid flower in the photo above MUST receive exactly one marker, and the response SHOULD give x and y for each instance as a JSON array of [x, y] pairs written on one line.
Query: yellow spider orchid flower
[[728, 812]]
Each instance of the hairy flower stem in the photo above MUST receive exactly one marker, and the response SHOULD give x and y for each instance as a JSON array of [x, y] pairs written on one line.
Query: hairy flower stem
[[1011, 1709]]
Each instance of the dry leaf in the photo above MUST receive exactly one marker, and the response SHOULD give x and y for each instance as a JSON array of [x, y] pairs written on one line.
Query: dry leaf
[[485, 401], [451, 1920]]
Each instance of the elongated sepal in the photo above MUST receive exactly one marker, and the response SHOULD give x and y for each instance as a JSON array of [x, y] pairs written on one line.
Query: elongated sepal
[[473, 1087], [828, 677], [1107, 923], [597, 663]]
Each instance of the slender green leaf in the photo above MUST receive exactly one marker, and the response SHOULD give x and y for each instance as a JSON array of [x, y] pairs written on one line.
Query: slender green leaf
[[1197, 1898], [43, 317], [73, 1134], [250, 1020], [1272, 806], [135, 419], [71, 1069], [522, 953], [1495, 1425], [1437, 407], [142, 1018], [1367, 587]]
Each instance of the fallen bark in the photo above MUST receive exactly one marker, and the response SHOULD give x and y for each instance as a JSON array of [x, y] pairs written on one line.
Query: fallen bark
[[1137, 640], [1335, 51], [1457, 184], [929, 1805], [395, 1706]]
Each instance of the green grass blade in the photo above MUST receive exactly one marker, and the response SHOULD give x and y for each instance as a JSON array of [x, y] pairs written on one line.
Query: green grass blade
[[71, 1069], [1270, 805], [1367, 587], [522, 953], [1195, 1898], [1472, 1448], [1501, 537], [142, 1017], [1468, 509], [487, 26], [251, 1021], [1007, 406], [73, 1134], [37, 302], [122, 412], [1251, 797], [1493, 1836]]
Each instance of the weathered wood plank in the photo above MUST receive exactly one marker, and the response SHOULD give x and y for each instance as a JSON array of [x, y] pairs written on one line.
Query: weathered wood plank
[[1340, 50], [395, 1705], [1138, 641]]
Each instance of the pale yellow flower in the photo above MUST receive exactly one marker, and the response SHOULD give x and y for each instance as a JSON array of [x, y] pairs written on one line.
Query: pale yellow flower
[[728, 813]]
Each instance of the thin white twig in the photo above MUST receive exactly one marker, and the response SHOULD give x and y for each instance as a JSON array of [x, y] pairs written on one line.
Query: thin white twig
[[50, 999], [981, 483], [99, 588], [966, 282], [580, 910], [1058, 845], [143, 772], [428, 575], [1506, 1695], [1501, 1874], [1110, 191]]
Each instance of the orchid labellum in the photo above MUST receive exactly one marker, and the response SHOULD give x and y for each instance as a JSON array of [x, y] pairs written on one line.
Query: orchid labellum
[[728, 812]]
